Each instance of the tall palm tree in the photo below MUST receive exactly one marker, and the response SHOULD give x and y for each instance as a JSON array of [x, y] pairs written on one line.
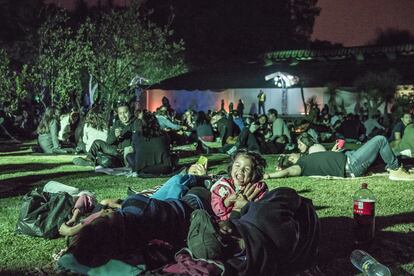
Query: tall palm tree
[[378, 89]]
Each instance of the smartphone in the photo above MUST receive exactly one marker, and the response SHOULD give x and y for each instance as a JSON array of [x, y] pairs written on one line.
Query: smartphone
[[202, 160]]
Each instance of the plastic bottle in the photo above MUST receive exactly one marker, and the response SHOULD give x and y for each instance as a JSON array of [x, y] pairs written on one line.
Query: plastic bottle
[[367, 264], [364, 215]]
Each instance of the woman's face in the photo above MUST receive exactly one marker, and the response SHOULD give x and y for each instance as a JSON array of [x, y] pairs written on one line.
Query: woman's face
[[262, 120], [302, 147], [242, 171]]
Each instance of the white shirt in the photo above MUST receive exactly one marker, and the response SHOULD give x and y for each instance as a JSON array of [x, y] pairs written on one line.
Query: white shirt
[[91, 134]]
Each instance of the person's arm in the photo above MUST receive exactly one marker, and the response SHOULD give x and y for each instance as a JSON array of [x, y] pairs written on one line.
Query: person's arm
[[54, 134], [294, 170], [112, 202], [276, 130], [111, 139], [66, 230], [378, 125], [169, 124], [287, 132], [397, 136], [85, 134]]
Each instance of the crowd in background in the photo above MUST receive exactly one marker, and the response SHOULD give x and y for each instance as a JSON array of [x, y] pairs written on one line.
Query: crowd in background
[[127, 135]]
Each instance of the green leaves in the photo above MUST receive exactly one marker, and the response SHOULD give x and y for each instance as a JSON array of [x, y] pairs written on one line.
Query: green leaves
[[114, 47]]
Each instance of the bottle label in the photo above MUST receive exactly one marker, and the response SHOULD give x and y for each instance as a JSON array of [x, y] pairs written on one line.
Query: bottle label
[[365, 208]]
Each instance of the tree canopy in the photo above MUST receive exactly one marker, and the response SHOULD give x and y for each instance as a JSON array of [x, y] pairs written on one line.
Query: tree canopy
[[110, 48]]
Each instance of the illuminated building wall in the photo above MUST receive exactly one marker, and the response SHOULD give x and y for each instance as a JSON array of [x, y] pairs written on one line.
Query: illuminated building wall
[[180, 100]]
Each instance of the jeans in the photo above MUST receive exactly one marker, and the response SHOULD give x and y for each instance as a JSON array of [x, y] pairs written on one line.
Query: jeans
[[246, 139], [261, 107], [361, 159], [175, 187]]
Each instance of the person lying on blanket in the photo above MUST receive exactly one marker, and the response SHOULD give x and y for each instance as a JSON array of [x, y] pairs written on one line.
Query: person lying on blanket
[[244, 177], [344, 164], [126, 227]]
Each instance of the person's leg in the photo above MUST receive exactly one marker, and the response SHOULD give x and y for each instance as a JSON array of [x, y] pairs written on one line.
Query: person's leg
[[101, 146], [362, 158], [243, 137], [45, 144], [175, 187], [97, 146], [253, 143]]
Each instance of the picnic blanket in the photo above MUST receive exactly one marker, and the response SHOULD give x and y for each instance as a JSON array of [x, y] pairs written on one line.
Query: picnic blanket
[[121, 171], [348, 178]]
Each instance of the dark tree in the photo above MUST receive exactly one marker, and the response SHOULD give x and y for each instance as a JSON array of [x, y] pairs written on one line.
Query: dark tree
[[19, 21], [392, 36], [324, 44]]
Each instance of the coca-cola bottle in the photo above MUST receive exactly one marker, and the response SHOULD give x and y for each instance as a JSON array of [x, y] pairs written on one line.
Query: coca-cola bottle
[[364, 215]]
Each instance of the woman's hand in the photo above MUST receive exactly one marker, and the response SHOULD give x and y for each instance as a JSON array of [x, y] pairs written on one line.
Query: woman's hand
[[111, 202], [240, 202], [230, 200], [197, 169], [65, 230], [251, 192], [335, 147], [225, 227]]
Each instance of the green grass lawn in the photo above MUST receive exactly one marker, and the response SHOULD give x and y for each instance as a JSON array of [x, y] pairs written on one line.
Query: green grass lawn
[[20, 171]]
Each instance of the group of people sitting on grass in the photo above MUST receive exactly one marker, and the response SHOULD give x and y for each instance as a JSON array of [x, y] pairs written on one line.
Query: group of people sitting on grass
[[142, 140], [236, 226]]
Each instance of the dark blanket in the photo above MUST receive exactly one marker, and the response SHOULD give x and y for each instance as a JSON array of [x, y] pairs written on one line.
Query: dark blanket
[[281, 232]]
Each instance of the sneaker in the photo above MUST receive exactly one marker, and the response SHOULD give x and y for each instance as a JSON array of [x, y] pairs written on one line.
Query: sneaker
[[401, 174], [36, 149], [131, 191], [79, 161]]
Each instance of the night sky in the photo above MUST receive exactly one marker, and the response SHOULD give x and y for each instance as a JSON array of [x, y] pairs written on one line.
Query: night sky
[[354, 22], [350, 22]]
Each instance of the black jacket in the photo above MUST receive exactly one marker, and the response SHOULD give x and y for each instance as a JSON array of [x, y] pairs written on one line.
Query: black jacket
[[281, 232]]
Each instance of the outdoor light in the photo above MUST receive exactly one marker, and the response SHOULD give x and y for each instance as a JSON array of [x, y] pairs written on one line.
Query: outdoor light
[[283, 80]]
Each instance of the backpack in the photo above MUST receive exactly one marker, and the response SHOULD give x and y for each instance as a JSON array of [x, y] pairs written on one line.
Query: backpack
[[203, 238], [42, 213]]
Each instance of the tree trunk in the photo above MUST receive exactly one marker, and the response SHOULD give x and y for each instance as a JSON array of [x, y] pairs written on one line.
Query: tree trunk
[[303, 100]]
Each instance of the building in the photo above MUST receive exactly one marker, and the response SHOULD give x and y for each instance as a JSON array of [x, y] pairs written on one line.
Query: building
[[204, 89]]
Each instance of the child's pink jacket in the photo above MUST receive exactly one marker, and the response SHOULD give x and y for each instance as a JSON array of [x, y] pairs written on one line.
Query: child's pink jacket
[[223, 188]]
